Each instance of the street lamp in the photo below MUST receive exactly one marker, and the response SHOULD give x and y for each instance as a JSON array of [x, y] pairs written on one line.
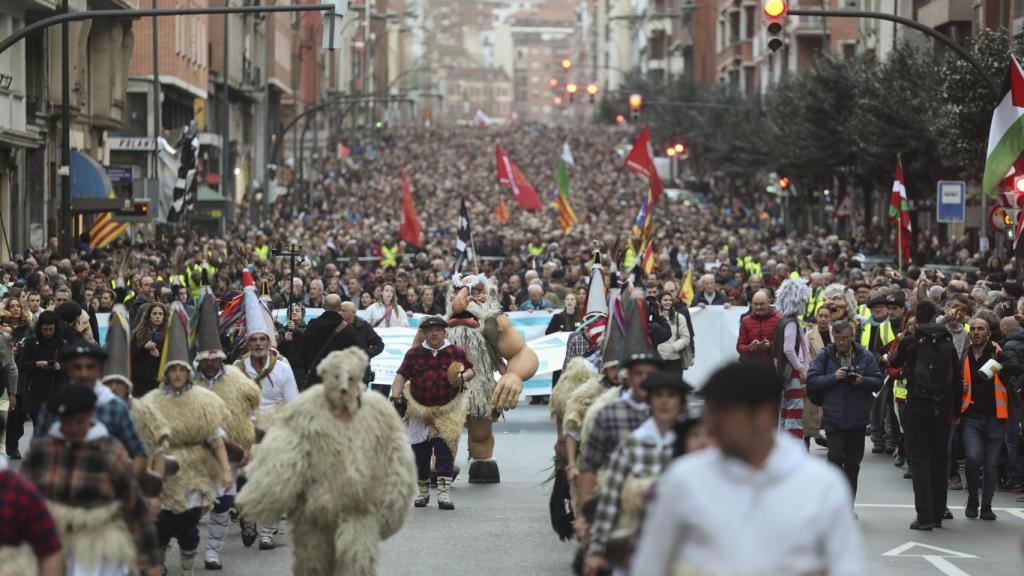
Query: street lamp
[[553, 83], [566, 63], [557, 101], [571, 89], [592, 91]]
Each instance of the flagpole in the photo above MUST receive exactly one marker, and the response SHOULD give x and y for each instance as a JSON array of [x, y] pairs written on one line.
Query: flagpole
[[899, 244], [472, 246]]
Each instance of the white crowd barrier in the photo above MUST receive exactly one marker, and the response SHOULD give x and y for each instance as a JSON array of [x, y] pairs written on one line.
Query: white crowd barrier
[[716, 329]]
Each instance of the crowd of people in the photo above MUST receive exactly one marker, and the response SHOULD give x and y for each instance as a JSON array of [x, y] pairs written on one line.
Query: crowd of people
[[846, 336]]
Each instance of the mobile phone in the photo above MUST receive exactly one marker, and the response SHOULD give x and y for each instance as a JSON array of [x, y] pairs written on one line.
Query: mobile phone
[[157, 337]]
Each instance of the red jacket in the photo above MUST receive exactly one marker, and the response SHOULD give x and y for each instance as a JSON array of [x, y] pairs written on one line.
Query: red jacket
[[755, 328]]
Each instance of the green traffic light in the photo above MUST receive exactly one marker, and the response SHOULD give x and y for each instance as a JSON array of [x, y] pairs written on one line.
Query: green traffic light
[[379, 124]]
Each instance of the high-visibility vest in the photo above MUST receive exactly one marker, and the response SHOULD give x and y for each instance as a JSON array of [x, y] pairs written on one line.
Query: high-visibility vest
[[794, 274], [887, 335], [263, 252], [899, 389], [388, 256], [630, 259], [863, 311], [537, 250], [1002, 399], [816, 301], [747, 263]]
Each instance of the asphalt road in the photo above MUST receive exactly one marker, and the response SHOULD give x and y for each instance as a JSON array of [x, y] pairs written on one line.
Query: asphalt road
[[503, 529]]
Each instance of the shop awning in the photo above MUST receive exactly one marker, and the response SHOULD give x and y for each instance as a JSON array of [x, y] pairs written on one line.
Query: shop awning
[[91, 190]]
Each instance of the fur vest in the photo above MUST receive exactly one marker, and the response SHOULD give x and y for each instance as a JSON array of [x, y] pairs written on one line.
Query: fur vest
[[242, 397], [18, 561], [193, 417], [94, 535], [577, 373], [579, 401], [153, 427], [445, 421], [481, 386]]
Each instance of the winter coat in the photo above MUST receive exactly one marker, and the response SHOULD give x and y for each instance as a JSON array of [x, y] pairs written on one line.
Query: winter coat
[[42, 382], [1013, 353], [846, 405], [752, 328], [813, 414], [906, 356], [678, 340]]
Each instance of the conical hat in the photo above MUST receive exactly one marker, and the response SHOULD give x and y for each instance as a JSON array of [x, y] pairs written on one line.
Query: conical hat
[[637, 345], [119, 358], [257, 318], [175, 340], [597, 294], [207, 332], [611, 349]]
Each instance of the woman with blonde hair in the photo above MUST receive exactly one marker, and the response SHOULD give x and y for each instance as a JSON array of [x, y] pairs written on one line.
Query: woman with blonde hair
[[387, 313]]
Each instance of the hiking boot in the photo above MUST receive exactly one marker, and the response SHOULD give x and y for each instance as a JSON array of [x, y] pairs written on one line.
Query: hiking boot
[[444, 488], [424, 496], [986, 512], [971, 510]]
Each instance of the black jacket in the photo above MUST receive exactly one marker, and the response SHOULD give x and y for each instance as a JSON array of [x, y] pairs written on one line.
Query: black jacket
[[906, 355], [320, 340], [42, 383]]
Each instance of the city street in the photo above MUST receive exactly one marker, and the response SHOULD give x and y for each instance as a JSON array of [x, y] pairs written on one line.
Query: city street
[[504, 530]]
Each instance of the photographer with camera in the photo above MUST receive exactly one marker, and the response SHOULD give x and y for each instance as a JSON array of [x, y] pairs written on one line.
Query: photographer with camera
[[841, 380]]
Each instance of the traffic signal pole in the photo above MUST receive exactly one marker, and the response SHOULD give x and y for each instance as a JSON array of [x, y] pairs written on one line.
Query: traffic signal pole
[[993, 86]]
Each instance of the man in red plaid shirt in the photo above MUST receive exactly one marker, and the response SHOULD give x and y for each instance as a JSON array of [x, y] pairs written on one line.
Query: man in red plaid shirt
[[28, 538], [437, 372]]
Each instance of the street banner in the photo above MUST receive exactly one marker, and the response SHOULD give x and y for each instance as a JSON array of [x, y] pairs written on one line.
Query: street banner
[[715, 327]]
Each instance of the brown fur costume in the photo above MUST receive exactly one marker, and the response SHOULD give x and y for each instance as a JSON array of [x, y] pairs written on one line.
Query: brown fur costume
[[338, 463], [577, 373], [193, 417], [153, 427], [241, 396], [445, 421]]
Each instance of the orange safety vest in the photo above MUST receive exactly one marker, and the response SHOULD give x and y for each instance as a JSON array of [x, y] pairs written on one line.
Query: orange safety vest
[[1002, 399]]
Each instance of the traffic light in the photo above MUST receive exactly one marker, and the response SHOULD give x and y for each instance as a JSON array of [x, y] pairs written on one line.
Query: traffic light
[[635, 102], [557, 101], [1018, 184], [783, 183], [553, 83], [775, 18], [571, 89], [680, 148], [592, 91], [566, 64], [671, 151], [138, 213]]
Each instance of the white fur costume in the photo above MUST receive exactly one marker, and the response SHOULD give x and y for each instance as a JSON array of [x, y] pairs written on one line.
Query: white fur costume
[[338, 464]]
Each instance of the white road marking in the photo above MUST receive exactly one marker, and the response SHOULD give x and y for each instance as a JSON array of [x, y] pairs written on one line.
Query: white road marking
[[937, 560], [945, 566], [930, 552]]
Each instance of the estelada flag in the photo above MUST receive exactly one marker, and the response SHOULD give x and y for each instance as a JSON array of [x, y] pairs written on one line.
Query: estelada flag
[[509, 175], [410, 230], [641, 161]]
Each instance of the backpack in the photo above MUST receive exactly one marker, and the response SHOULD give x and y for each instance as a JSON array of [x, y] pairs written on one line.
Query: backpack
[[932, 372]]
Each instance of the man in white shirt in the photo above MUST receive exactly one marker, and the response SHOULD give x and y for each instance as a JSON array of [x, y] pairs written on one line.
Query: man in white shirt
[[757, 504]]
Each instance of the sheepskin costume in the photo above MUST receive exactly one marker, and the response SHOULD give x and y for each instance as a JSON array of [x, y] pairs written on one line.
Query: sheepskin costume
[[193, 416], [338, 463], [578, 403], [577, 373], [445, 422], [18, 561], [94, 536], [471, 339]]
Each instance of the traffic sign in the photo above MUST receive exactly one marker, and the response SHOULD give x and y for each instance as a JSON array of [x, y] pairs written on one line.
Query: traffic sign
[[998, 219], [951, 201]]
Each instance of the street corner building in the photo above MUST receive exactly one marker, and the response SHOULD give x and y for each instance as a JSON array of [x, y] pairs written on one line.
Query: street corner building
[[338, 464]]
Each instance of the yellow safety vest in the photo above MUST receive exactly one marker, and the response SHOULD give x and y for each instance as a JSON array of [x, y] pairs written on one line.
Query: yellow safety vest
[[630, 259], [535, 250], [887, 335], [388, 256], [263, 252], [794, 274], [816, 301], [899, 389], [863, 311]]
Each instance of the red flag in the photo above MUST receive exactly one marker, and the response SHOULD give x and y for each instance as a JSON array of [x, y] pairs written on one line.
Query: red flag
[[641, 161], [899, 212], [410, 230], [509, 175]]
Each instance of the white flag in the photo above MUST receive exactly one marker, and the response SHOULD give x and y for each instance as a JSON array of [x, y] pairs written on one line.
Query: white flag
[[567, 155]]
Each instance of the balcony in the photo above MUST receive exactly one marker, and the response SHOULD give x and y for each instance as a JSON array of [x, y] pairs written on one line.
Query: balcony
[[939, 13], [809, 25]]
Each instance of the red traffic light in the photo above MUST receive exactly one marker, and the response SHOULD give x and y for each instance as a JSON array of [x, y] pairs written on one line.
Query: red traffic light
[[1018, 184], [679, 148], [775, 14], [670, 152], [783, 182]]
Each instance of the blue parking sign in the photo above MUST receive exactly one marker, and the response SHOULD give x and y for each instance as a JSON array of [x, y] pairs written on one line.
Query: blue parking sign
[[950, 201]]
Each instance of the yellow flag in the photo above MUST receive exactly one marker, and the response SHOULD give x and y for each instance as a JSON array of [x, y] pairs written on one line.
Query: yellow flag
[[686, 294]]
